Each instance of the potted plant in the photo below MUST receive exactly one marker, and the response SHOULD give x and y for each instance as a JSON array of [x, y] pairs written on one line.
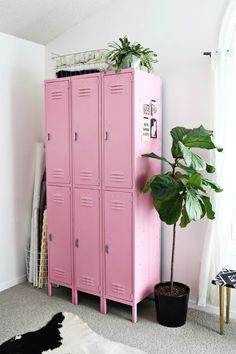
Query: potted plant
[[181, 194], [125, 55]]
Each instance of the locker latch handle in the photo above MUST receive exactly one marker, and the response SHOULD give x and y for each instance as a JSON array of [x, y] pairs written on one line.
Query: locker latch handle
[[48, 136], [50, 237], [107, 249], [105, 135], [75, 136], [77, 243]]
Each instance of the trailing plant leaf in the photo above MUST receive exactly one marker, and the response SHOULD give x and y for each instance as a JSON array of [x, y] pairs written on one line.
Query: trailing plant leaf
[[165, 187], [207, 203], [192, 160], [193, 206]]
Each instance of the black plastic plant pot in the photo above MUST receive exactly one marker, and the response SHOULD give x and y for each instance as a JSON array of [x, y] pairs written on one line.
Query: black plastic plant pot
[[171, 310]]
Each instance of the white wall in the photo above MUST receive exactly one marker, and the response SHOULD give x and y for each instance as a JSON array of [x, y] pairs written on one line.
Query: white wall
[[22, 71], [179, 31]]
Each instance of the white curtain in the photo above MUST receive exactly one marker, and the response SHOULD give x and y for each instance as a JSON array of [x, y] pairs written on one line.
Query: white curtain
[[220, 243]]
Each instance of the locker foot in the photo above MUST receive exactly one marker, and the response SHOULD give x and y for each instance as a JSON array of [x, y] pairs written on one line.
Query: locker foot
[[49, 289], [134, 313], [75, 297], [103, 306]]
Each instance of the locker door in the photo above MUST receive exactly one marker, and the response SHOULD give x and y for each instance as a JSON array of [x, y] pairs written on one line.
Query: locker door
[[117, 130], [87, 247], [86, 130], [118, 245], [59, 234], [58, 131]]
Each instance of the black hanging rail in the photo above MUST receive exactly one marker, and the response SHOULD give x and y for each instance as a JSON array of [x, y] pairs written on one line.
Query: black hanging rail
[[207, 53]]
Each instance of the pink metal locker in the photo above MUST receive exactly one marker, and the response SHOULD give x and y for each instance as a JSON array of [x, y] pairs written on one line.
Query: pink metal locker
[[118, 245], [87, 240], [57, 131], [59, 235], [86, 129], [117, 120]]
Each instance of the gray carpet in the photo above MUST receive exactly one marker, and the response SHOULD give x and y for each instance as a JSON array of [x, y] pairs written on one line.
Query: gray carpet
[[23, 308]]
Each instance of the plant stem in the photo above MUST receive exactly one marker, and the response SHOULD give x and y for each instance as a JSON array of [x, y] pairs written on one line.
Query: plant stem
[[173, 242], [172, 258]]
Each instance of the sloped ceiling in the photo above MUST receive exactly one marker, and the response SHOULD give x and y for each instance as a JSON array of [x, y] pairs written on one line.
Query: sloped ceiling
[[43, 20]]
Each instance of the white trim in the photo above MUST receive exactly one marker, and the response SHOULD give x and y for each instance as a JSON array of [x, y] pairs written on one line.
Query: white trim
[[209, 309], [8, 284], [228, 26]]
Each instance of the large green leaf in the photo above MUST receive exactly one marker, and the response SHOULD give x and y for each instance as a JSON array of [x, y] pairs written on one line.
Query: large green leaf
[[148, 184], [208, 206], [164, 187], [193, 205], [154, 156], [195, 180], [192, 160], [170, 210], [182, 178], [200, 138], [209, 183], [177, 134], [184, 218], [189, 170]]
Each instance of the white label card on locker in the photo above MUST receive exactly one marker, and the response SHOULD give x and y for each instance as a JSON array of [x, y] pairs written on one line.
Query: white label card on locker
[[146, 129]]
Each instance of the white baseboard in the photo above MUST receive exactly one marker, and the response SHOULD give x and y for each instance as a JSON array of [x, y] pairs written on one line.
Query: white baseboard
[[209, 309], [13, 282]]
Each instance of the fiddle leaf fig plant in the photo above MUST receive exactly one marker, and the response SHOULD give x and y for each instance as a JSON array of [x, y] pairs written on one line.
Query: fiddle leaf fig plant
[[121, 54], [182, 194]]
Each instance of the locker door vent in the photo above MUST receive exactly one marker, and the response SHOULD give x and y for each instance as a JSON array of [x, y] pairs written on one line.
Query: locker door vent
[[85, 201], [117, 177], [87, 281], [114, 89], [58, 199], [56, 95], [84, 92], [117, 205], [58, 173], [59, 274], [87, 175], [118, 289]]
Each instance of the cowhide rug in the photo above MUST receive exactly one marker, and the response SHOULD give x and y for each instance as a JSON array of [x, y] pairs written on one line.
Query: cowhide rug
[[65, 333]]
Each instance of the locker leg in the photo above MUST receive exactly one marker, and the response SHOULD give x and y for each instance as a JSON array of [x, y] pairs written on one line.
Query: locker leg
[[49, 289], [103, 305], [134, 313], [75, 297]]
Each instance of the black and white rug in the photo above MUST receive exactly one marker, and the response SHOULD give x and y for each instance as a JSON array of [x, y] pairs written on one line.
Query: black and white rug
[[65, 333]]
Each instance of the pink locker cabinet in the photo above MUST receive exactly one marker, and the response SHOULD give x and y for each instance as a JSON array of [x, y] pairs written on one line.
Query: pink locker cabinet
[[104, 235], [131, 226], [58, 173]]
